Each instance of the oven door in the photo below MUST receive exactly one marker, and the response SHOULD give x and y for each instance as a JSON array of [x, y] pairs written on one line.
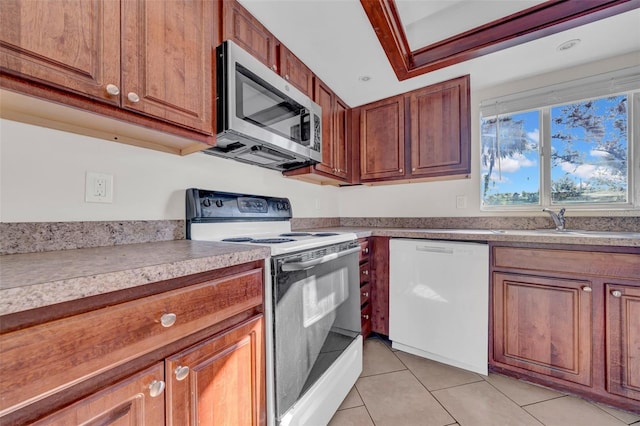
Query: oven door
[[317, 316]]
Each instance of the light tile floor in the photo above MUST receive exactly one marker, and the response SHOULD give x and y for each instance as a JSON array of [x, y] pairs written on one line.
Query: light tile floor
[[400, 389]]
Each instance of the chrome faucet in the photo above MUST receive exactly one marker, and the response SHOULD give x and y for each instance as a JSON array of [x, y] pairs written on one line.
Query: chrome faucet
[[558, 218]]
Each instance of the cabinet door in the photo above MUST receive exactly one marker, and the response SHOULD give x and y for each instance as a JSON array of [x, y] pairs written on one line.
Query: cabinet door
[[324, 97], [382, 139], [129, 402], [623, 340], [340, 141], [379, 267], [220, 381], [440, 138], [543, 325], [295, 71], [247, 32], [74, 45], [167, 55]]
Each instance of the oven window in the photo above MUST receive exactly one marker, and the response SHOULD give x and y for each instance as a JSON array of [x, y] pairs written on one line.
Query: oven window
[[260, 104], [317, 316]]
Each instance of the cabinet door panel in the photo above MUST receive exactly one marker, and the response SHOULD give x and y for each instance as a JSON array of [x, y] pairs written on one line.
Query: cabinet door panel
[[324, 97], [623, 342], [440, 130], [126, 403], [543, 325], [340, 142], [225, 384], [295, 71], [382, 139], [167, 57], [238, 25], [72, 44]]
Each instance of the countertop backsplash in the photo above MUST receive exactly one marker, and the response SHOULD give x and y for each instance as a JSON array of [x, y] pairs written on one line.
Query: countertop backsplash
[[31, 237]]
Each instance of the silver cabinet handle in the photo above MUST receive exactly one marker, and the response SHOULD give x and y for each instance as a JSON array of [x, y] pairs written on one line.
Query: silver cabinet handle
[[616, 293], [586, 288], [181, 372], [167, 320], [133, 97], [113, 90], [156, 388]]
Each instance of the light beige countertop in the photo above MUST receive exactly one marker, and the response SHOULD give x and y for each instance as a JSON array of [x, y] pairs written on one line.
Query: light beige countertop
[[544, 236], [33, 280]]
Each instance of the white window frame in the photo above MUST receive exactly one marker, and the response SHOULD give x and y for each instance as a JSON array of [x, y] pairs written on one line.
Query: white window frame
[[625, 81]]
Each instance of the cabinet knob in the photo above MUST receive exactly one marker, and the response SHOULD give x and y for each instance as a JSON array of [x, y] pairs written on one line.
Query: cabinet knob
[[616, 293], [167, 320], [274, 67], [400, 170], [156, 388], [133, 97], [113, 90], [413, 170], [365, 272], [365, 294], [586, 288], [286, 76], [181, 372], [366, 250], [365, 317]]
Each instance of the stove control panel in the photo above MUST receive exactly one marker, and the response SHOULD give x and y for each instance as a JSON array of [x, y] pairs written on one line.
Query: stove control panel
[[206, 206]]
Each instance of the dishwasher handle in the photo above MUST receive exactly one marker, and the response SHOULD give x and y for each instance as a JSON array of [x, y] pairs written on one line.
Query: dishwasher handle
[[435, 249], [308, 264]]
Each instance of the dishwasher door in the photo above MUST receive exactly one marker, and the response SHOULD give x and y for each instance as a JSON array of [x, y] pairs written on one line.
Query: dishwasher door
[[439, 301]]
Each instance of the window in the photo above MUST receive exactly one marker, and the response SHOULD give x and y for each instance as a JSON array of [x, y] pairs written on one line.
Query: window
[[578, 153]]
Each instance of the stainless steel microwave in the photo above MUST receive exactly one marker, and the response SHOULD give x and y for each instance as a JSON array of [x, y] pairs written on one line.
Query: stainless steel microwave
[[261, 118]]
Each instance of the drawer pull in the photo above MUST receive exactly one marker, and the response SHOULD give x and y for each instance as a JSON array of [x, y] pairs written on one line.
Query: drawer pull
[[156, 388], [616, 293], [366, 250], [181, 372], [586, 288], [365, 272], [365, 294], [366, 317], [167, 320]]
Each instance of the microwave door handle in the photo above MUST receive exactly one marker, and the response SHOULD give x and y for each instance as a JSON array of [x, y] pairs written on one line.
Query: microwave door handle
[[308, 264]]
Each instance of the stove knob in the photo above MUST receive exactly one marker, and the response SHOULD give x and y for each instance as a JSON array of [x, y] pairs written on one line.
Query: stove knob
[[286, 206], [206, 202], [219, 203]]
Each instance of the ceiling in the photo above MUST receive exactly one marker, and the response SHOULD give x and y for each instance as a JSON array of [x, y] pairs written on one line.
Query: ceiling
[[336, 40]]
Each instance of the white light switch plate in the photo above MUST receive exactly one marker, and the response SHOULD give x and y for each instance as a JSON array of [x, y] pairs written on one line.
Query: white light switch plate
[[98, 188], [461, 201]]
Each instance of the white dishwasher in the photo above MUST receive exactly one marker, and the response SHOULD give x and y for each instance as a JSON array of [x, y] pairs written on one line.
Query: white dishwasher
[[439, 301]]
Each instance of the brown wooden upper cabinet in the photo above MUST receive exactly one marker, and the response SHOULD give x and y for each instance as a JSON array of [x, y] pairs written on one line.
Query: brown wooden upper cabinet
[[247, 32], [150, 57], [425, 133]]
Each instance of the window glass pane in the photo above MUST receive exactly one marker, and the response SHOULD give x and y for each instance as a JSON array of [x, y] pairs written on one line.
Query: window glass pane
[[510, 159], [589, 151]]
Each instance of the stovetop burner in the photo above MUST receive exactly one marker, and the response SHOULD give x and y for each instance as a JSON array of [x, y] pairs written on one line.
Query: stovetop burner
[[238, 240], [325, 234], [271, 240], [295, 234]]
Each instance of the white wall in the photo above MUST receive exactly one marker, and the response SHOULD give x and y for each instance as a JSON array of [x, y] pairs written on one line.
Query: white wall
[[438, 199], [42, 179], [43, 173]]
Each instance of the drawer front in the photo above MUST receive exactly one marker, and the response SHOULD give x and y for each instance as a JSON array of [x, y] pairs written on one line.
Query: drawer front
[[365, 273], [46, 358], [619, 265], [365, 294], [364, 249]]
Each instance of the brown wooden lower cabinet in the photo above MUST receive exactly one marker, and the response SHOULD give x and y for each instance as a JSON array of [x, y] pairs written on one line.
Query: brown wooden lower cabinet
[[568, 318], [219, 381], [193, 343], [128, 402], [379, 247]]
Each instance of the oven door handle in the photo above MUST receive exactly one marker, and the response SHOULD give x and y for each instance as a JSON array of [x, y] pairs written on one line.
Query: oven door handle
[[308, 264]]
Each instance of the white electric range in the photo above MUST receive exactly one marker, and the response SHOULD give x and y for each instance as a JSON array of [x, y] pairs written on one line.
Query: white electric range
[[312, 301]]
